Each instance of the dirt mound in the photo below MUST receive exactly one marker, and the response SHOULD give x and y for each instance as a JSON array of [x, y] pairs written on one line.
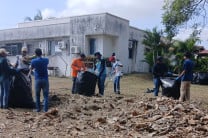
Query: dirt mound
[[112, 116]]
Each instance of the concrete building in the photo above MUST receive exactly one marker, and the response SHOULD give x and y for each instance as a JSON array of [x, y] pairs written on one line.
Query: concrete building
[[62, 38]]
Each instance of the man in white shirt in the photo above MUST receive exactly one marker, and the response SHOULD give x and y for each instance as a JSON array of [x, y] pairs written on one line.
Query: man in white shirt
[[117, 71]]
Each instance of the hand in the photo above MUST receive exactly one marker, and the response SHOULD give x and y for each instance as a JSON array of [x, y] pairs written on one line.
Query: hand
[[177, 79]]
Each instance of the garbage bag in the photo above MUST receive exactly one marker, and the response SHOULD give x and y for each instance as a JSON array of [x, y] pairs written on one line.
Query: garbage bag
[[170, 87], [21, 92], [200, 78], [85, 83]]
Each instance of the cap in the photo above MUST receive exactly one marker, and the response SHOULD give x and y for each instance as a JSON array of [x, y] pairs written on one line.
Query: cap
[[159, 58], [24, 49], [97, 53], [3, 51]]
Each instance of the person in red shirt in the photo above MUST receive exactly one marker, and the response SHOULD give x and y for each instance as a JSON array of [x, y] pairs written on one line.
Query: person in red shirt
[[77, 66], [112, 58]]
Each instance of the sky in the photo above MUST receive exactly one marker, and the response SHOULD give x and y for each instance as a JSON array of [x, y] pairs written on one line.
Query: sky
[[143, 14]]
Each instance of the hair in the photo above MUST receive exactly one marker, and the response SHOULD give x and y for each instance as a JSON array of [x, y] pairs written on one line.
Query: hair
[[187, 55], [38, 52], [113, 54], [82, 55], [97, 53]]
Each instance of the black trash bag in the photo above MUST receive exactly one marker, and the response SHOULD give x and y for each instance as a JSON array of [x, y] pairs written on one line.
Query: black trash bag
[[200, 78], [86, 83], [21, 92], [170, 87]]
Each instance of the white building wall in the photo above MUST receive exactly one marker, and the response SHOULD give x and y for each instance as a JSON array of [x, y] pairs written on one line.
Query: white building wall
[[112, 34], [138, 64]]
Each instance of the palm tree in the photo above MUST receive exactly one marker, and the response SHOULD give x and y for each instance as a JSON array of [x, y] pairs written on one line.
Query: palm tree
[[152, 39], [38, 16], [179, 48]]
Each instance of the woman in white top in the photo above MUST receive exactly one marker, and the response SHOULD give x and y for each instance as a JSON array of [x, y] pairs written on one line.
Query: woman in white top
[[117, 71]]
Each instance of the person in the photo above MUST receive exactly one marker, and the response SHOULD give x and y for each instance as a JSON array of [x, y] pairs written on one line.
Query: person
[[5, 72], [117, 71], [23, 62], [159, 70], [77, 66], [40, 64], [186, 77], [100, 71], [112, 58]]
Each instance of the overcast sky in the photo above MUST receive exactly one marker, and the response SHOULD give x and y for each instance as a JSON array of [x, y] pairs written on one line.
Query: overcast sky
[[143, 14]]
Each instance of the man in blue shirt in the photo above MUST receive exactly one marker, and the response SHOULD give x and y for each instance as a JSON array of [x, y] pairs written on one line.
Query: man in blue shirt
[[186, 77], [40, 65]]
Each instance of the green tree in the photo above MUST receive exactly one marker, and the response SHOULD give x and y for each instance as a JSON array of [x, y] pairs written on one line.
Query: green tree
[[152, 39], [179, 12], [38, 16], [178, 49]]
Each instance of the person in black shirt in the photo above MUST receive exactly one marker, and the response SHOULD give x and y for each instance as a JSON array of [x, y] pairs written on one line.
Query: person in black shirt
[[159, 70]]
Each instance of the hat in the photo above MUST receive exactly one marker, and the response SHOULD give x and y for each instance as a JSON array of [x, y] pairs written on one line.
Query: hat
[[24, 49], [97, 53], [3, 51], [159, 58]]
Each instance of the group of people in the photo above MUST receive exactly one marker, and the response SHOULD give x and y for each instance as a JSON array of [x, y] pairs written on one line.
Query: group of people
[[186, 76], [99, 70], [24, 64]]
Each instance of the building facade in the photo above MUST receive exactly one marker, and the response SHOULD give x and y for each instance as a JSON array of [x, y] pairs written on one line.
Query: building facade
[[62, 38]]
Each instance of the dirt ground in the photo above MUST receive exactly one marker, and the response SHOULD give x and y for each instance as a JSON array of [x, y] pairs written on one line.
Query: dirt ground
[[133, 113]]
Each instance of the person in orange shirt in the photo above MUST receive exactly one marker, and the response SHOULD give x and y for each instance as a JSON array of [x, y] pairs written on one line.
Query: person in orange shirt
[[77, 66]]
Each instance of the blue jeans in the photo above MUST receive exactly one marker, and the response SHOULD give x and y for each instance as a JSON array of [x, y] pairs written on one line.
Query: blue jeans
[[4, 93], [101, 84], [117, 84], [157, 84], [73, 84], [41, 84]]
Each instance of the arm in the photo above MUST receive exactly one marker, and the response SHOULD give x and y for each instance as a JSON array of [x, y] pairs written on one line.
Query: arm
[[74, 66], [102, 67]]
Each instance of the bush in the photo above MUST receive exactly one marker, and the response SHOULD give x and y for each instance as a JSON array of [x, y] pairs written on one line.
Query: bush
[[201, 65]]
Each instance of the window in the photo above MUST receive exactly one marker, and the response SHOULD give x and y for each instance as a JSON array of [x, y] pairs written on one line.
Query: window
[[132, 48], [92, 45], [52, 46], [13, 48]]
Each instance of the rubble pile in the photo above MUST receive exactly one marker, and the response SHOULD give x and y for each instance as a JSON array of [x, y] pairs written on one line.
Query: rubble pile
[[112, 116]]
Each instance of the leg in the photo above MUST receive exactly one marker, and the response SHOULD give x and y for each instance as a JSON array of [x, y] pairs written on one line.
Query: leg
[[45, 94], [118, 84], [182, 91], [156, 83], [101, 84], [188, 85], [37, 94], [6, 84], [114, 83], [1, 94], [73, 85]]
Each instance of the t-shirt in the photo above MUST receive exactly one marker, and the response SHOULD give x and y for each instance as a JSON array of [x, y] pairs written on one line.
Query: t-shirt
[[41, 68], [188, 67], [159, 70], [100, 67], [117, 68], [21, 64]]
